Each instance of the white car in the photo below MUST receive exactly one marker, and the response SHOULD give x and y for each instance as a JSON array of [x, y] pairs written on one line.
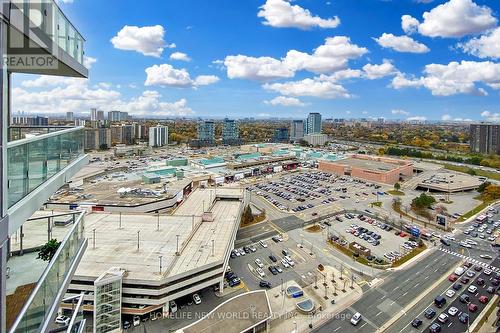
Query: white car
[[472, 289], [63, 320], [452, 311], [259, 263], [136, 321], [196, 299], [443, 317], [260, 272], [290, 261], [356, 318], [285, 263], [450, 293], [487, 272], [465, 245], [263, 244]]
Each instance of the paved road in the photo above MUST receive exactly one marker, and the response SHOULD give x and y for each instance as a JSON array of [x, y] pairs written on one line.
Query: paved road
[[400, 288]]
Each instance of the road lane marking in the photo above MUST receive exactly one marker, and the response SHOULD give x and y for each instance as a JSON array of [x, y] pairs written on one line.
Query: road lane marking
[[378, 313]]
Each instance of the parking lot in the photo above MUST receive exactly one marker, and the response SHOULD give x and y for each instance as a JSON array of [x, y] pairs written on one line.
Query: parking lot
[[300, 266], [379, 237], [302, 191]]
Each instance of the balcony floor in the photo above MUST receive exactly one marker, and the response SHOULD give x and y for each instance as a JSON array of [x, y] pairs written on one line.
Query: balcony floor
[[24, 270]]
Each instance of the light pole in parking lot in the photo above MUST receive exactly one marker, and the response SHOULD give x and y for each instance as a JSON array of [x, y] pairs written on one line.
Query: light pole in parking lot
[[160, 257]]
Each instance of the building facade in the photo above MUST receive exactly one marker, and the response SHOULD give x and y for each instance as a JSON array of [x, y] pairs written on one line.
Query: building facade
[[485, 138], [70, 116], [117, 116], [313, 123], [33, 169], [316, 139], [206, 133], [158, 136], [297, 130], [281, 135], [230, 132]]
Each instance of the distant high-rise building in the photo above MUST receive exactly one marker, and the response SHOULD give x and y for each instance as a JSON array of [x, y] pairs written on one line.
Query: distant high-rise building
[[313, 123], [297, 130], [97, 138], [117, 116], [206, 132], [93, 114], [158, 136], [70, 116], [281, 135], [485, 138], [80, 122], [230, 132], [116, 134], [100, 115], [30, 121], [128, 134]]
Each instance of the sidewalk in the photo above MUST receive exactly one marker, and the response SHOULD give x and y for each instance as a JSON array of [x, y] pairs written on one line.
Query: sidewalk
[[288, 319]]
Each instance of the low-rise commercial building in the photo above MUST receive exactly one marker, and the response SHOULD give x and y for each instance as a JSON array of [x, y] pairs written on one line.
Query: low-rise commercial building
[[371, 168]]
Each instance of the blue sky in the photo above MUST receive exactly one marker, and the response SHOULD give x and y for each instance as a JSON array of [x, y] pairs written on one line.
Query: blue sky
[[257, 58]]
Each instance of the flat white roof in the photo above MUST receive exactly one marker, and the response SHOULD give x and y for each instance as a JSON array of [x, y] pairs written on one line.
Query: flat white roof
[[117, 247]]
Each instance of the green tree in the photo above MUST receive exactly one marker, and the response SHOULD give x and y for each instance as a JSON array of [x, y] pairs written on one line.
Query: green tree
[[48, 250], [397, 186], [247, 216], [103, 147], [483, 187], [471, 172]]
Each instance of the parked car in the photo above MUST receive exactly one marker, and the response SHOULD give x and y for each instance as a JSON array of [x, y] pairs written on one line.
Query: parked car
[[136, 321], [196, 299], [356, 318], [63, 320], [472, 307], [429, 313], [264, 284], [463, 318], [416, 322], [435, 328]]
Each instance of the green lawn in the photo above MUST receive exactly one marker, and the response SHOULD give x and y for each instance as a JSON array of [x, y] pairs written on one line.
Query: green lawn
[[481, 173], [377, 203], [396, 192]]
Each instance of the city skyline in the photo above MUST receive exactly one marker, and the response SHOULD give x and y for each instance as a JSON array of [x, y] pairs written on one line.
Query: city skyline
[[284, 60]]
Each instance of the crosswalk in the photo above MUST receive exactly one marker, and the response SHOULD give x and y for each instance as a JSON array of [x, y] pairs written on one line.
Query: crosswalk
[[472, 260]]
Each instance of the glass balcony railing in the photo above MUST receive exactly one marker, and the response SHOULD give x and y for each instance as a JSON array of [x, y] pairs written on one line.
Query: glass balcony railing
[[54, 24], [40, 305], [33, 160]]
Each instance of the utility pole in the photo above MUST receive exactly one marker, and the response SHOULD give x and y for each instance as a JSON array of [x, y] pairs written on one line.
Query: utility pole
[[158, 222], [212, 247], [177, 251], [160, 257], [120, 221], [138, 232]]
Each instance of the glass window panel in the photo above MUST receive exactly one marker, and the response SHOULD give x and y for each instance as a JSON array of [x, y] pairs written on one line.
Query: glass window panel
[[37, 166], [17, 173]]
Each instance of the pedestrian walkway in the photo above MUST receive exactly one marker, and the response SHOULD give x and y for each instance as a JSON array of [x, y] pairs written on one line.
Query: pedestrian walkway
[[472, 260]]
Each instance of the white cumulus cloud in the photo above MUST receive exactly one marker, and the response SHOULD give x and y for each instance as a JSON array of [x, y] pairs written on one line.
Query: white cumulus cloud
[[454, 78], [378, 71], [455, 18], [147, 40], [315, 87], [282, 14], [329, 57], [486, 46], [180, 56], [285, 101], [401, 43], [167, 75], [400, 112], [491, 116]]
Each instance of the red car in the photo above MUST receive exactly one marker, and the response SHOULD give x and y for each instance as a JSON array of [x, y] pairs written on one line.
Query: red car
[[452, 278], [402, 234], [472, 307], [464, 280], [483, 299]]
